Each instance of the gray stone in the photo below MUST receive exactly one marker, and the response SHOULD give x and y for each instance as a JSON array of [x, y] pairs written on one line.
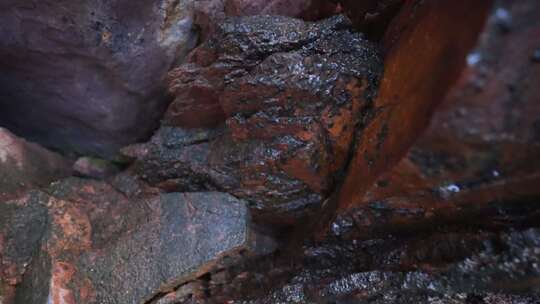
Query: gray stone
[[93, 244]]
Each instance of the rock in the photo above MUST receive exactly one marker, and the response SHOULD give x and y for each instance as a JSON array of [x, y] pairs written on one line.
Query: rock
[[286, 96], [88, 77], [449, 267], [93, 244], [408, 93], [25, 165], [23, 222], [94, 167], [477, 163], [209, 13]]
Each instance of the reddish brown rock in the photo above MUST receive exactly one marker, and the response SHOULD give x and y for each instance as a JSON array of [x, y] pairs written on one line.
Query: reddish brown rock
[[25, 165], [441, 268], [414, 81], [477, 164], [291, 95]]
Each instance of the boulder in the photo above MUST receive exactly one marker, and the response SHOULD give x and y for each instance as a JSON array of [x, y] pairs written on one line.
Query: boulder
[[83, 241], [267, 110], [88, 76]]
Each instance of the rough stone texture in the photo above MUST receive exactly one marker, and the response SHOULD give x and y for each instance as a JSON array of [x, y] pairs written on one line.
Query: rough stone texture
[[291, 95], [209, 13], [22, 225], [25, 165], [84, 241], [87, 76]]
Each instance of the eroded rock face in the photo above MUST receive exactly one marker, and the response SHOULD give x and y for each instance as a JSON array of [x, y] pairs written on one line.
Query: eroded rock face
[[88, 76], [287, 98], [83, 241], [25, 165]]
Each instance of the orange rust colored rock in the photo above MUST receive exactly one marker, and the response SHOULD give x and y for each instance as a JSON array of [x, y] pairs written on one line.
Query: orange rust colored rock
[[426, 51], [477, 164]]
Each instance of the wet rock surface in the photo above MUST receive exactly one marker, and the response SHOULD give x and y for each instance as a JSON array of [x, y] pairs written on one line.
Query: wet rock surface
[[288, 97], [340, 272], [210, 13], [25, 165], [88, 76]]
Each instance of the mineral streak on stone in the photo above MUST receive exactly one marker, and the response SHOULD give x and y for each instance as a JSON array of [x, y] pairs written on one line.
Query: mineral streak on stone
[[25, 165], [88, 76], [288, 97], [85, 242]]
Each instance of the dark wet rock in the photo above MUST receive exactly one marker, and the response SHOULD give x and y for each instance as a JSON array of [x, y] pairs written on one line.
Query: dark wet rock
[[287, 95], [409, 92], [372, 16], [25, 165], [209, 13], [498, 268], [88, 77], [82, 241]]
